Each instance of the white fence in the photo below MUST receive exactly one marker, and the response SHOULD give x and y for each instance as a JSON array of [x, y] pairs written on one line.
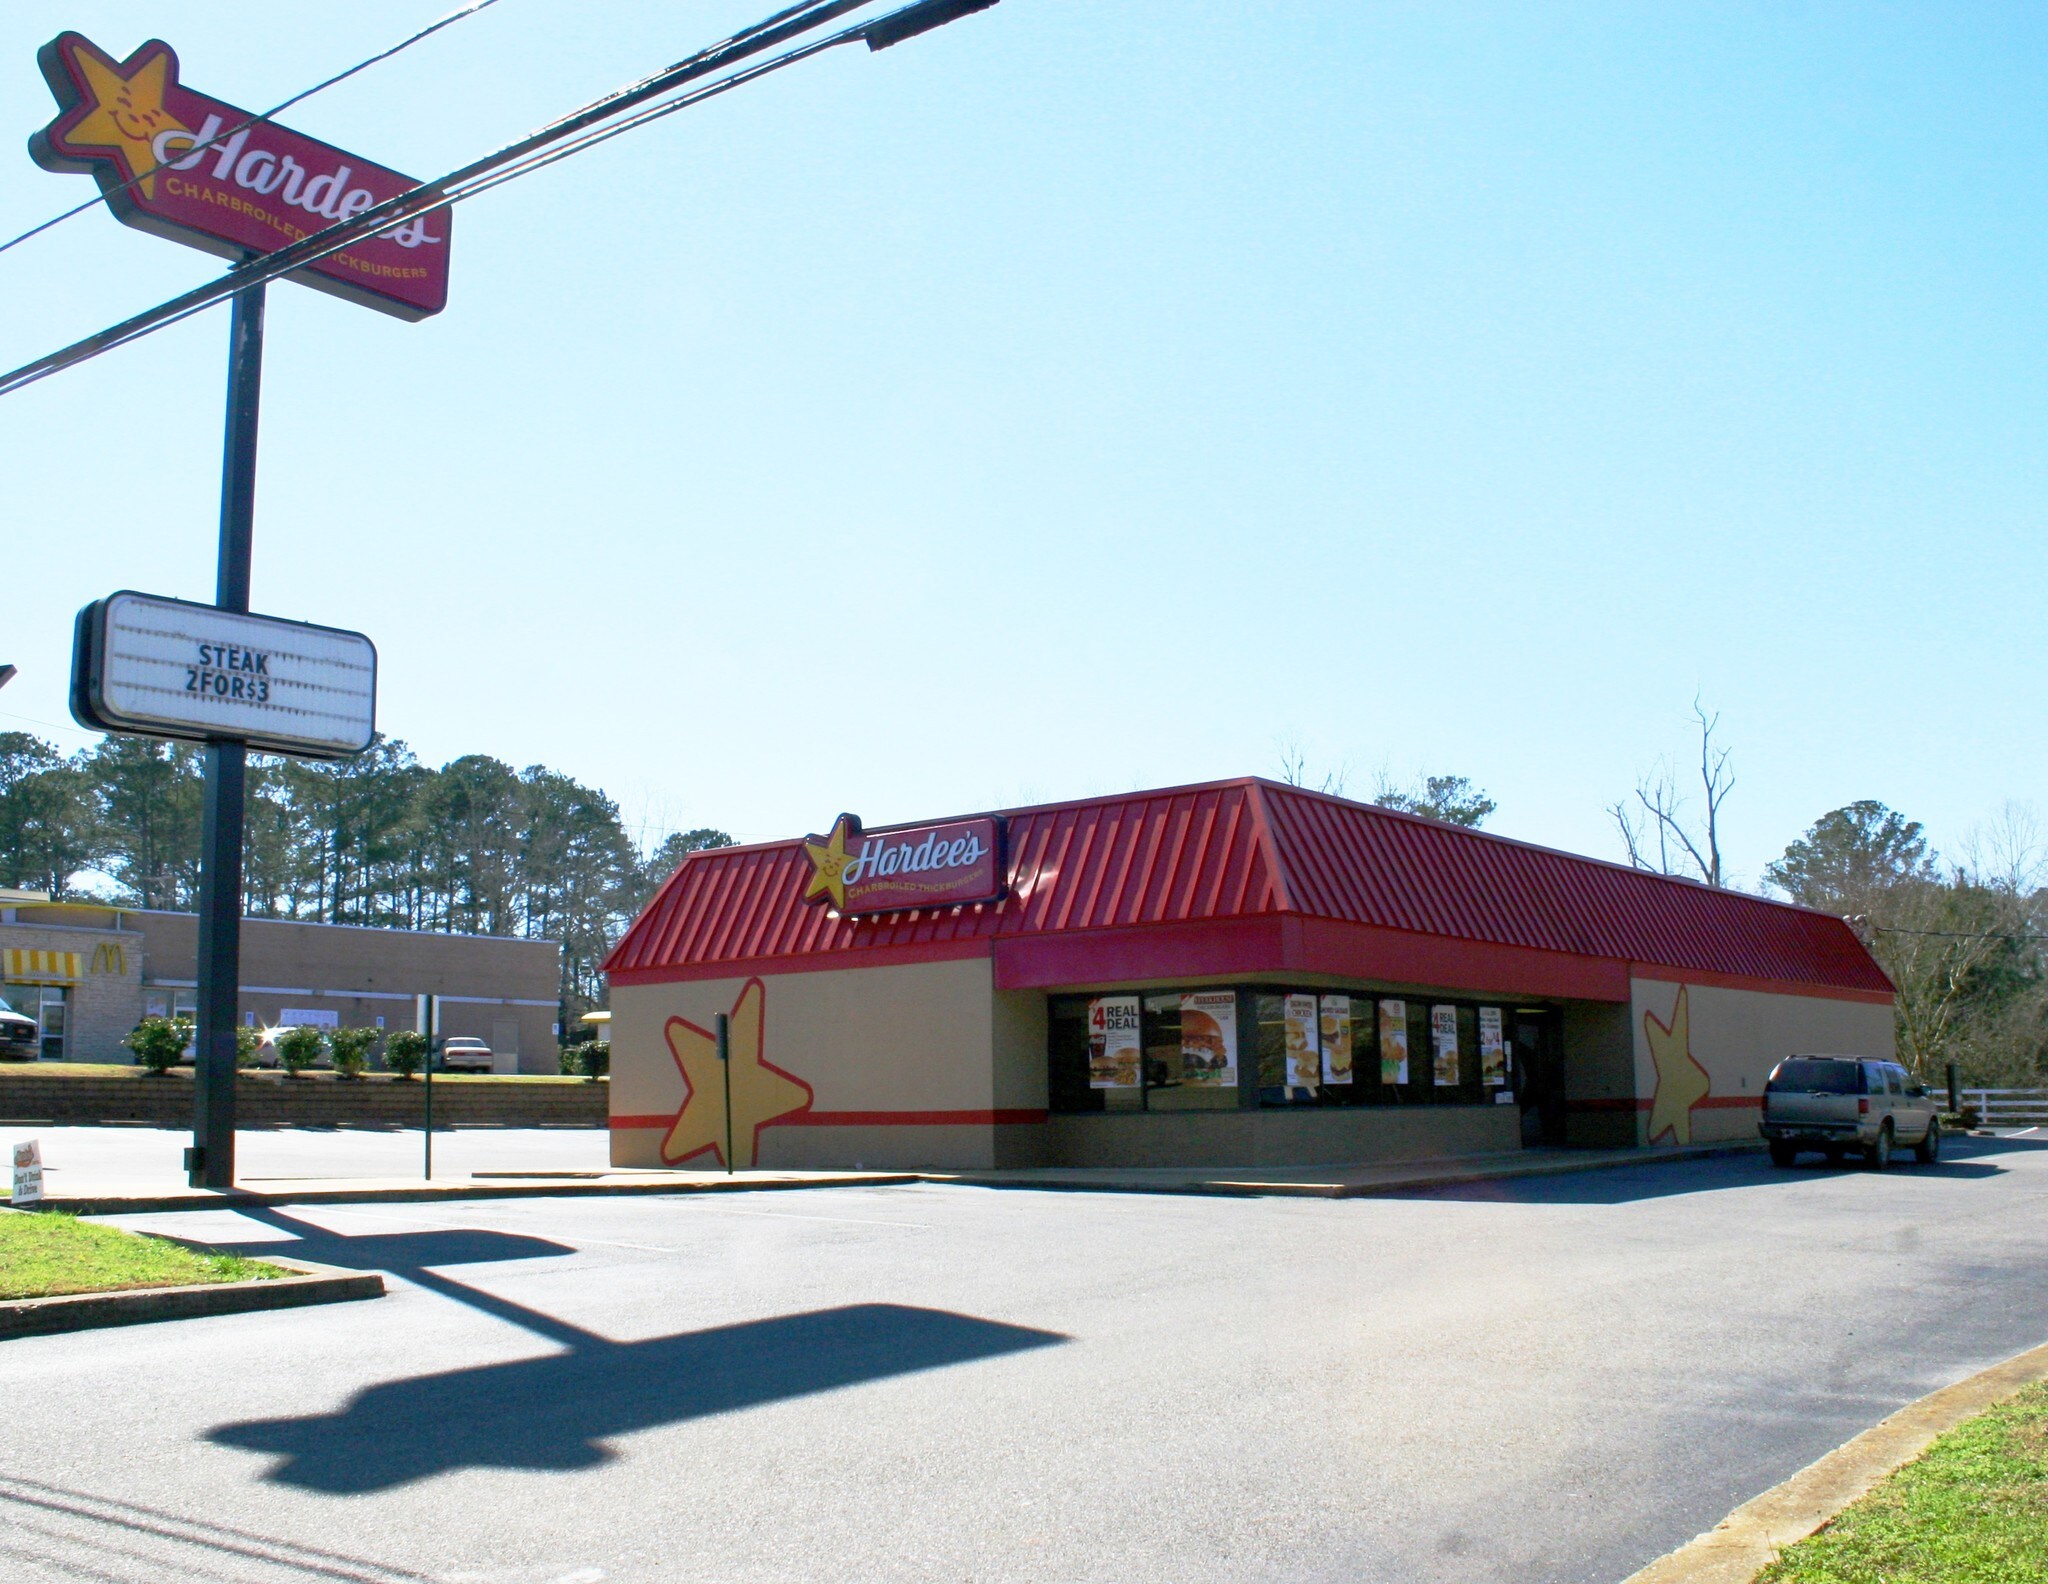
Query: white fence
[[2008, 1107]]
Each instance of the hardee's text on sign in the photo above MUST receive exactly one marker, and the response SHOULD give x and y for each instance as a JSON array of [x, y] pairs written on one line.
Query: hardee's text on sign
[[183, 166], [918, 866]]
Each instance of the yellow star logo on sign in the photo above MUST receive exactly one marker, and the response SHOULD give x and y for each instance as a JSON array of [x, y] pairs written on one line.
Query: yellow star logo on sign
[[127, 114], [829, 861], [1682, 1082], [762, 1093]]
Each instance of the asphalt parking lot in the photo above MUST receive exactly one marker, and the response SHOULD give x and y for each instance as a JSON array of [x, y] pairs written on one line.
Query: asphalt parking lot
[[1546, 1380]]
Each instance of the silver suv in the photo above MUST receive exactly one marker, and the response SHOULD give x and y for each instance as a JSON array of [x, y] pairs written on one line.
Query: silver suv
[[1838, 1103]]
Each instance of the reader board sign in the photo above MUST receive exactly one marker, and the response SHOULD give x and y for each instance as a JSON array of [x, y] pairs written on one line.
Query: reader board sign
[[914, 866], [189, 168], [154, 667], [28, 1174]]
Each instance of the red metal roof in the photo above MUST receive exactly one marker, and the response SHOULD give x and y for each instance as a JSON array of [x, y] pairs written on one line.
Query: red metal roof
[[1249, 852]]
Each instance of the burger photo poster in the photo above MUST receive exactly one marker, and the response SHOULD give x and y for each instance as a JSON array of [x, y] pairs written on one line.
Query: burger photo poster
[[1304, 1064], [1443, 1037], [1208, 1038], [1336, 1039], [1493, 1055], [1115, 1051], [1393, 1042]]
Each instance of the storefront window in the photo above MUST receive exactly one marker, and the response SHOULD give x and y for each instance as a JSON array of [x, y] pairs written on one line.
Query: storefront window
[[44, 1003], [1182, 1050], [1171, 1050]]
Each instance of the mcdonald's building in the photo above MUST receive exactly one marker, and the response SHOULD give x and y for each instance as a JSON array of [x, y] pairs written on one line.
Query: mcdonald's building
[[1234, 974], [88, 972]]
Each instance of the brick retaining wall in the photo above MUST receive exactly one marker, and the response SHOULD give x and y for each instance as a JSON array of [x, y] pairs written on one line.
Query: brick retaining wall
[[318, 1100]]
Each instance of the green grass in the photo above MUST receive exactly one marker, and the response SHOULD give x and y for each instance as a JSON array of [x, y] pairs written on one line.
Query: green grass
[[1972, 1510], [45, 1254]]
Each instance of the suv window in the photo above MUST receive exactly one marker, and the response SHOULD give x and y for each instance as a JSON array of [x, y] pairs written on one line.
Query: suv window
[[1816, 1075]]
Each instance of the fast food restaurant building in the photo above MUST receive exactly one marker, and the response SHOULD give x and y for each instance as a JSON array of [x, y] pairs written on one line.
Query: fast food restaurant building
[[1239, 973]]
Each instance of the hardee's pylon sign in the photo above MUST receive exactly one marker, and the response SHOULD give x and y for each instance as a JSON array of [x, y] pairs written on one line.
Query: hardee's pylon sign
[[919, 866], [181, 165]]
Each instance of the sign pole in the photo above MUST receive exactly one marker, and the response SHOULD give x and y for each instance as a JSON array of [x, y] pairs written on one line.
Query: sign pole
[[722, 1033], [211, 1161], [429, 1020]]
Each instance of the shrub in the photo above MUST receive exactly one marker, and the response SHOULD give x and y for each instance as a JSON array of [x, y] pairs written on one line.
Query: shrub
[[405, 1052], [298, 1048], [158, 1042], [351, 1049], [594, 1059], [248, 1043]]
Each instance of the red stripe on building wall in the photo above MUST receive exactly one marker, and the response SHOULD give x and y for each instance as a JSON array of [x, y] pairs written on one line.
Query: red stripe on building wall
[[910, 1118], [626, 1124], [1711, 1103]]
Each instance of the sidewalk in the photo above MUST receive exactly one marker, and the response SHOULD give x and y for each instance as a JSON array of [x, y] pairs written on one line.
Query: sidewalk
[[86, 1192], [1337, 1182]]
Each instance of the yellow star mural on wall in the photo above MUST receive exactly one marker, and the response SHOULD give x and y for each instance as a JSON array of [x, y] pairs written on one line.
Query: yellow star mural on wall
[[1682, 1082], [762, 1093], [829, 860], [127, 111]]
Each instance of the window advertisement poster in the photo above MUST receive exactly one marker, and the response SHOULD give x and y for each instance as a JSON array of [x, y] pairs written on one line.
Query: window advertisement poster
[[1115, 1052], [1304, 1063], [1393, 1042], [1443, 1039], [1336, 1039], [1493, 1055], [1208, 1038]]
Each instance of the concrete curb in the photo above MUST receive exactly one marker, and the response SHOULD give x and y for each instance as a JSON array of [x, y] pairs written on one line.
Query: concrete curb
[[1741, 1545], [316, 1284], [1445, 1177], [427, 1193]]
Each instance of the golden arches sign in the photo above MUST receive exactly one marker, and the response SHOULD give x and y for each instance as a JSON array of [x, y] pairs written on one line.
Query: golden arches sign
[[110, 957]]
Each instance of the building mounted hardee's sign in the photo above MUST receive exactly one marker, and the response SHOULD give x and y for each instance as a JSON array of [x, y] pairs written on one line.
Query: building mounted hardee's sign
[[183, 166], [914, 866], [156, 667]]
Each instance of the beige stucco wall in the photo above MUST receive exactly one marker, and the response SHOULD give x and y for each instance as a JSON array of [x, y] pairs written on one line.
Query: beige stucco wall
[[1736, 1036], [914, 1037], [1599, 1076]]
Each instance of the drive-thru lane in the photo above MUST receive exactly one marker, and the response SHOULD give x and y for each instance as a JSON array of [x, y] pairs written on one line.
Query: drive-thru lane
[[1552, 1379]]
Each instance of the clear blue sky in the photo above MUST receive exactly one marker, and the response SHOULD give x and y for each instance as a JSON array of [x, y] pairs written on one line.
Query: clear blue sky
[[1091, 396]]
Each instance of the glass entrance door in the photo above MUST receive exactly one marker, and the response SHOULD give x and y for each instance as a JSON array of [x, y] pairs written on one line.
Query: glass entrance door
[[1539, 1074], [52, 1022]]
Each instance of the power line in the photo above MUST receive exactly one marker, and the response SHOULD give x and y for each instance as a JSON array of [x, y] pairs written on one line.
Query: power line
[[107, 194], [1985, 935], [583, 128]]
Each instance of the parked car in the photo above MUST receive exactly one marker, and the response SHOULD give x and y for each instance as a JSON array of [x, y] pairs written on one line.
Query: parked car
[[20, 1039], [460, 1053], [1835, 1104]]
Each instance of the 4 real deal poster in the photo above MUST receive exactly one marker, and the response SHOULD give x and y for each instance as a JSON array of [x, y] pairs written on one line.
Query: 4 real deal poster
[[1443, 1040], [1208, 1038], [1393, 1042], [1115, 1049]]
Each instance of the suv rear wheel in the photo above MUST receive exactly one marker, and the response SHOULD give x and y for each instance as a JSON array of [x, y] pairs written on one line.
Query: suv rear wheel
[[1928, 1150], [1783, 1152], [1879, 1155]]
